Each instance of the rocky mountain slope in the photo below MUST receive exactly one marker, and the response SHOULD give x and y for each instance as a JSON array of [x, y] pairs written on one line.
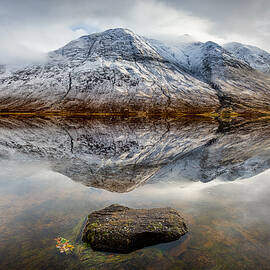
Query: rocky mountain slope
[[117, 70], [254, 56], [238, 85]]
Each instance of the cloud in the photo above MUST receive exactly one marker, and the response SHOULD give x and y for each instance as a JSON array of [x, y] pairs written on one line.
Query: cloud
[[31, 27], [240, 20]]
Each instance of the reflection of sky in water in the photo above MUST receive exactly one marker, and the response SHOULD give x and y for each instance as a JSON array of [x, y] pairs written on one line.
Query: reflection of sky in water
[[37, 204]]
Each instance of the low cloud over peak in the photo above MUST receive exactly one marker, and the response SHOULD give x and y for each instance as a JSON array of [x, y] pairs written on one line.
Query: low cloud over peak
[[30, 28]]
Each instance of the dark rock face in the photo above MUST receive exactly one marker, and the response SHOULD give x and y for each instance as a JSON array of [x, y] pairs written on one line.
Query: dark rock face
[[121, 229]]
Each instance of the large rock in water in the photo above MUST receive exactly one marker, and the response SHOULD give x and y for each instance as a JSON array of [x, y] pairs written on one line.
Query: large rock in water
[[121, 229]]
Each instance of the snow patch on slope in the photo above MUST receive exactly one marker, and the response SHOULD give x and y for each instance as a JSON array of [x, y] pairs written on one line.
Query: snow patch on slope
[[254, 56]]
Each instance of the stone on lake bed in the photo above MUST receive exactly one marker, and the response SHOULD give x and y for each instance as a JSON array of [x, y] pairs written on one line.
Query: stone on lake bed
[[121, 229]]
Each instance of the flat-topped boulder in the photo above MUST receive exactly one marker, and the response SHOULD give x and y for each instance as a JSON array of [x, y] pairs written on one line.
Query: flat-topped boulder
[[121, 229]]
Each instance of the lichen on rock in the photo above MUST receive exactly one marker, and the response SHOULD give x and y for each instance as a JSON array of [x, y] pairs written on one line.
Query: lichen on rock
[[121, 229]]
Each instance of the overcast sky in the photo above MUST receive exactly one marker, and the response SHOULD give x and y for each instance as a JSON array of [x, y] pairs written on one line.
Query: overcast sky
[[31, 27]]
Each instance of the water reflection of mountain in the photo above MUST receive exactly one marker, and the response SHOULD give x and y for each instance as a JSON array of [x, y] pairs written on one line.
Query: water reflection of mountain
[[120, 154]]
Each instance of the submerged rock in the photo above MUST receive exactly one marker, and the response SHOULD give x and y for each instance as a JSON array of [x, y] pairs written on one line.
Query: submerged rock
[[121, 229]]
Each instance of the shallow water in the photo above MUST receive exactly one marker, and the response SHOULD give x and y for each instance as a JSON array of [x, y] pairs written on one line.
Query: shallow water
[[54, 172]]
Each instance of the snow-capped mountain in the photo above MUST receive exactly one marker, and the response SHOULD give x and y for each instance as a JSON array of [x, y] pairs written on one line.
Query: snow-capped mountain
[[254, 56], [238, 85], [118, 70]]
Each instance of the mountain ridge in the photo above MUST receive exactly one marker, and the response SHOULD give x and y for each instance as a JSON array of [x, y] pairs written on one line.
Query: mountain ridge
[[257, 58], [119, 71]]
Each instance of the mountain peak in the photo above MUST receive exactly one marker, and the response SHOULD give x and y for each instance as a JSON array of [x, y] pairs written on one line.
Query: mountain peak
[[252, 55], [117, 43], [120, 31], [245, 46], [118, 70], [211, 45], [117, 32]]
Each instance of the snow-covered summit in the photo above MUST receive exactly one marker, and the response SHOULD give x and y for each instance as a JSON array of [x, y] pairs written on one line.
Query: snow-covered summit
[[118, 70], [113, 44], [254, 56], [204, 60]]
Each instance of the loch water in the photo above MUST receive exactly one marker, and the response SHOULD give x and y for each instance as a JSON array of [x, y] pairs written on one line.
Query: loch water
[[54, 171]]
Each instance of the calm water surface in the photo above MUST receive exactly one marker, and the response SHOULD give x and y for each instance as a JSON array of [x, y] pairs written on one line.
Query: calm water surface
[[54, 172]]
